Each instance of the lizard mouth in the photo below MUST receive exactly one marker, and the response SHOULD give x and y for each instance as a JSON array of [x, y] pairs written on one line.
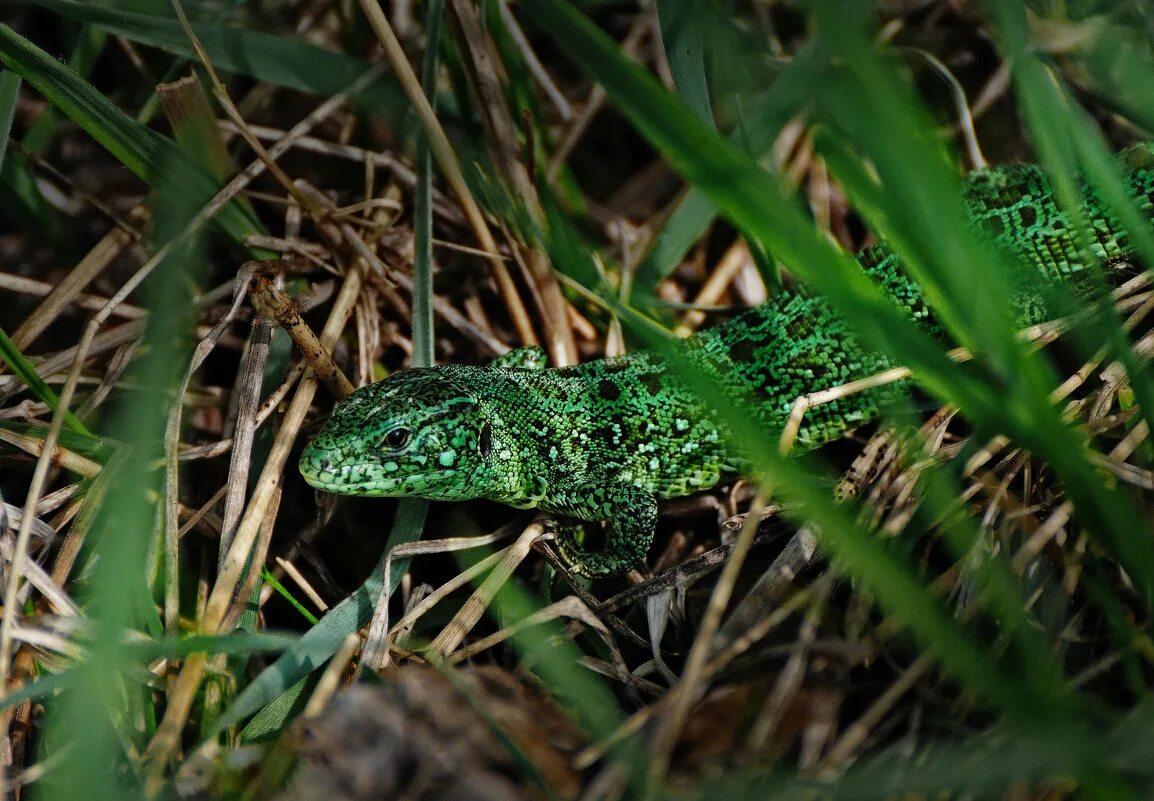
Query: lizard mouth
[[367, 480]]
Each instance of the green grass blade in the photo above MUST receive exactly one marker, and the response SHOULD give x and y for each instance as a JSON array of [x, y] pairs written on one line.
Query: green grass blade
[[153, 158], [979, 767], [99, 449], [26, 205], [90, 43], [9, 91], [23, 368], [1120, 59], [423, 355], [271, 720], [681, 24], [41, 687], [234, 643], [283, 591], [792, 89], [290, 63], [309, 653], [127, 523], [26, 199]]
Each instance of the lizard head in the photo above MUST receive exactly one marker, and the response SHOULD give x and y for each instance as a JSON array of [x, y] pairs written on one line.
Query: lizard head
[[419, 433]]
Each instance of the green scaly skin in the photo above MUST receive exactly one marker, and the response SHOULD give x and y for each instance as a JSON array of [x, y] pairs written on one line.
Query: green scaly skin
[[607, 439]]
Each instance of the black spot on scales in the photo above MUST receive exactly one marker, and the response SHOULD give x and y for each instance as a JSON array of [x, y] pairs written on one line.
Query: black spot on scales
[[485, 444], [608, 390], [651, 382], [742, 350]]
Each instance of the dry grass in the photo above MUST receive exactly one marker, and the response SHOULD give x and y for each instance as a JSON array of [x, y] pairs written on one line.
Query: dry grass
[[738, 650]]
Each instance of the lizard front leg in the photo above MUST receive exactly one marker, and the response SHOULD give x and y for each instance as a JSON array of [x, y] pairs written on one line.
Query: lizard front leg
[[631, 517]]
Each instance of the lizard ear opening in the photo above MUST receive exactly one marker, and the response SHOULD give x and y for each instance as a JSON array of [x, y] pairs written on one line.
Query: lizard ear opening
[[486, 441]]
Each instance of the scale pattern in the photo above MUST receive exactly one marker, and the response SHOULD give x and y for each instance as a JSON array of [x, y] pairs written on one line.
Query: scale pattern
[[606, 439]]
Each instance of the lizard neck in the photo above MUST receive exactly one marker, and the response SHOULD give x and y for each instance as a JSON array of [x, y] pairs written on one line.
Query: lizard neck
[[535, 415]]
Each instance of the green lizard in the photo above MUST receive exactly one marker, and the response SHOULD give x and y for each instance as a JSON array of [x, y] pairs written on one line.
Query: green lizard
[[607, 439]]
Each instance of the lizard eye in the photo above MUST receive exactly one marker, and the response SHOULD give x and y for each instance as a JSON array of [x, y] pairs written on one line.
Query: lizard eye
[[396, 439]]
